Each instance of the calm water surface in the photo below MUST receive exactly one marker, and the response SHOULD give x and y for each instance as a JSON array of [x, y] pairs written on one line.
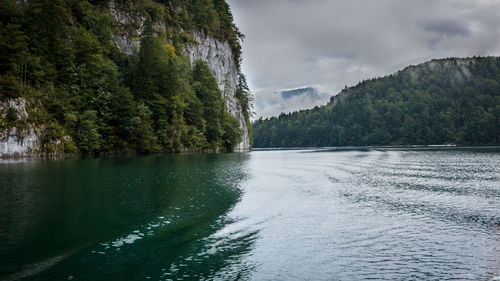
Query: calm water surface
[[330, 214]]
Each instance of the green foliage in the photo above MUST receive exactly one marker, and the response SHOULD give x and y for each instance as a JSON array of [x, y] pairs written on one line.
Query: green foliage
[[13, 60], [422, 104], [213, 17], [90, 98], [144, 135], [231, 132], [56, 141], [88, 138], [246, 100], [11, 115], [207, 91]]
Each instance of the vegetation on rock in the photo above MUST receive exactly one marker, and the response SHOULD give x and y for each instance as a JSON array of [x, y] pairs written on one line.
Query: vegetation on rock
[[442, 101], [61, 56]]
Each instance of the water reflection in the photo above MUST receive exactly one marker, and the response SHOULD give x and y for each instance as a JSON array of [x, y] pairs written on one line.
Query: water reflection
[[372, 213], [493, 251], [127, 218], [346, 214]]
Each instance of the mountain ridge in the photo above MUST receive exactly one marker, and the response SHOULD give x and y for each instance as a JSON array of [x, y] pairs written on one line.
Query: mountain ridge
[[428, 98]]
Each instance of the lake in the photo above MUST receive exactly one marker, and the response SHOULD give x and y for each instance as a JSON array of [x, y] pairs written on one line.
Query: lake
[[320, 214]]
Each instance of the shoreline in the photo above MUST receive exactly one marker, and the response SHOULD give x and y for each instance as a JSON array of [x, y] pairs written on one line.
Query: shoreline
[[70, 156]]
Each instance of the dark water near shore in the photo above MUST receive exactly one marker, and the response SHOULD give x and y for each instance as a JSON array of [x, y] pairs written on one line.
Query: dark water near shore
[[331, 214]]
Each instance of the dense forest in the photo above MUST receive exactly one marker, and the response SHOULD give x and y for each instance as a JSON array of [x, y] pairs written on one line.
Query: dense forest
[[90, 97], [438, 102]]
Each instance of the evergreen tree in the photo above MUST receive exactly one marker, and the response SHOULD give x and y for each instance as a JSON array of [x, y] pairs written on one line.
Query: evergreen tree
[[419, 105], [207, 91], [62, 57]]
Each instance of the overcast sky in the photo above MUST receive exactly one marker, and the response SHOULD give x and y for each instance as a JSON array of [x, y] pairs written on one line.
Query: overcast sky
[[328, 44]]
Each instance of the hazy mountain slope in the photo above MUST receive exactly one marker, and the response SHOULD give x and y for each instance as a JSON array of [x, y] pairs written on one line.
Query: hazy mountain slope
[[442, 101]]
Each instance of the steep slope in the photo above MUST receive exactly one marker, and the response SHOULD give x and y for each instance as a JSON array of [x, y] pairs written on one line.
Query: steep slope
[[442, 101], [220, 54], [116, 76], [222, 64]]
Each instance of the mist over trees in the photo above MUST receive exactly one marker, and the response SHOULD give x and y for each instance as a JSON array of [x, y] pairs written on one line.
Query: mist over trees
[[439, 102]]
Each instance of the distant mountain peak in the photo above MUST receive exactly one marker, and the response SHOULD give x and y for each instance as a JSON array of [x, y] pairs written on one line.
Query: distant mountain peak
[[309, 91]]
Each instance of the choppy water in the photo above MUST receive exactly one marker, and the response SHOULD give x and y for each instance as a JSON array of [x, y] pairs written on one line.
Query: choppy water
[[331, 214]]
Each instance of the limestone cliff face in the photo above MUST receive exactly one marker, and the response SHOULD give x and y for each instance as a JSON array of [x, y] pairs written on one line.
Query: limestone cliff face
[[130, 26], [22, 137], [16, 142], [457, 69], [221, 62], [26, 140], [215, 53]]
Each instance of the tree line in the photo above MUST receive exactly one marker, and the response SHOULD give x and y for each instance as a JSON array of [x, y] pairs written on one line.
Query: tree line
[[442, 101]]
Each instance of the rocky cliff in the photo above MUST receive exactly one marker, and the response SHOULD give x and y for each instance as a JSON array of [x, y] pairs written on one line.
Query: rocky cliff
[[216, 53], [22, 137], [220, 60], [16, 141], [125, 22]]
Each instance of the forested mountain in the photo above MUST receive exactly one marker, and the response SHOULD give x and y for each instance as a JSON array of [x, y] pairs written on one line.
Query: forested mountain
[[442, 101], [99, 76]]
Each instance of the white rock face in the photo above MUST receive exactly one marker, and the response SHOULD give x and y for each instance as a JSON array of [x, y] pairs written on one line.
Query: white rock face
[[130, 27], [457, 68], [220, 61], [215, 53], [13, 142]]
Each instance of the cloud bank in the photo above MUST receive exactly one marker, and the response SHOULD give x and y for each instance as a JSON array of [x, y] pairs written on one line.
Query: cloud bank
[[328, 44]]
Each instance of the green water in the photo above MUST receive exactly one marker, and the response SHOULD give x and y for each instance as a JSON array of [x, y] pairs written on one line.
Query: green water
[[123, 218], [328, 214]]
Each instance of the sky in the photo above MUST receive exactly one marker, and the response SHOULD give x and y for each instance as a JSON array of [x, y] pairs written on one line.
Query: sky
[[330, 44]]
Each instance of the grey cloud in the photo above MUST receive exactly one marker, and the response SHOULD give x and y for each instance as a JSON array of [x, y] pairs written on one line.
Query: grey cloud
[[447, 28], [291, 100], [329, 44]]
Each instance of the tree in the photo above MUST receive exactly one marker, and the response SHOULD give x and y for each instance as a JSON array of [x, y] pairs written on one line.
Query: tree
[[232, 132], [207, 91], [13, 60], [88, 137]]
